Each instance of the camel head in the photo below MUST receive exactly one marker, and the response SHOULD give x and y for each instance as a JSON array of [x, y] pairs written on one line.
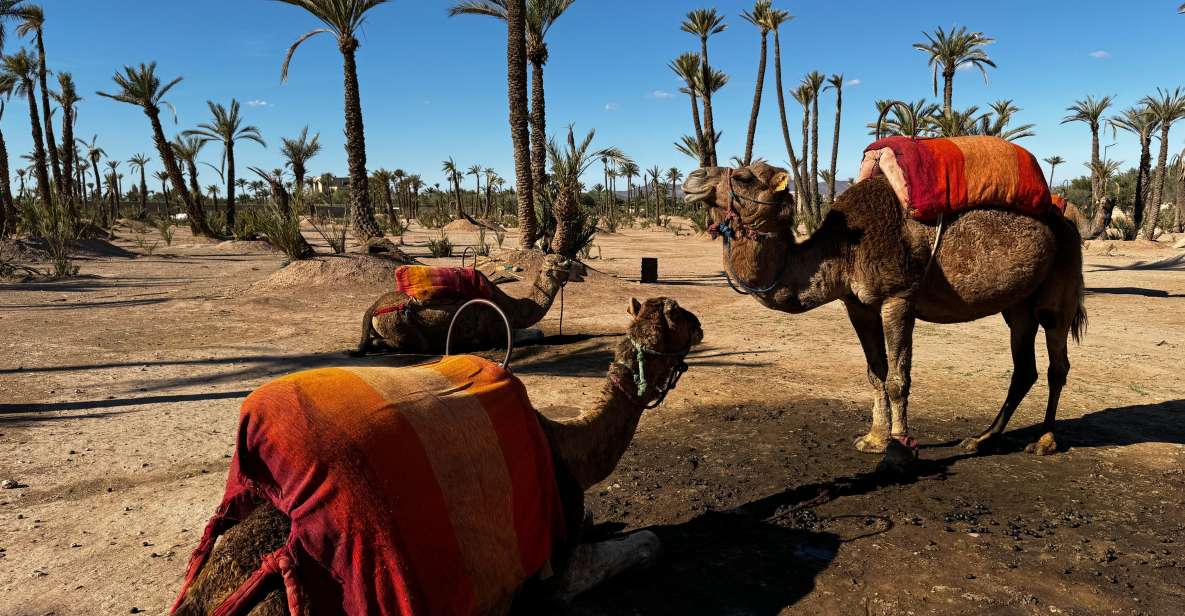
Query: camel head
[[758, 194], [556, 269], [658, 340]]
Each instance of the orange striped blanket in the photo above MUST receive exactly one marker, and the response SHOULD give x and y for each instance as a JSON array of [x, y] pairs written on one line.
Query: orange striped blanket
[[426, 284], [423, 490], [932, 177]]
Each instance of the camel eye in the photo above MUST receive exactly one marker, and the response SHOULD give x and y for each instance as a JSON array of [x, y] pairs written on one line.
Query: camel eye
[[744, 175]]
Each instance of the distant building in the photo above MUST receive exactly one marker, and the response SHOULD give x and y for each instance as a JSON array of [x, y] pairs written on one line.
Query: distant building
[[327, 184]]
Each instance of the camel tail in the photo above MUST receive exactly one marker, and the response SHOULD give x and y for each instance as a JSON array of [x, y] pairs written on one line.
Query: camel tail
[[1071, 244], [367, 332]]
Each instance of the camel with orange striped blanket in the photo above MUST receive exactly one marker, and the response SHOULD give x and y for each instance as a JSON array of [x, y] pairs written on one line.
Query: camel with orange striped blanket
[[434, 489], [414, 317]]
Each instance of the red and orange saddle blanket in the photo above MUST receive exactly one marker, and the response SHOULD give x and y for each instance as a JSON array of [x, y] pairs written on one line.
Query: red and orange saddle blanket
[[932, 177], [422, 490], [426, 284]]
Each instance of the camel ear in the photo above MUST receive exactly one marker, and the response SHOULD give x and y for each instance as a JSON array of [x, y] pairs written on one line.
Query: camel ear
[[635, 307], [781, 181]]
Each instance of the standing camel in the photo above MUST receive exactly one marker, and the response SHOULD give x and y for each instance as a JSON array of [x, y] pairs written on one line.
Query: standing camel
[[869, 254], [582, 452]]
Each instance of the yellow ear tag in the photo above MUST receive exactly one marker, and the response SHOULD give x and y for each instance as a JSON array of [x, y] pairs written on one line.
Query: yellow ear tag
[[783, 184]]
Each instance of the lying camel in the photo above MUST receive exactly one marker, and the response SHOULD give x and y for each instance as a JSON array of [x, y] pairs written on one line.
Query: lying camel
[[422, 328], [647, 364], [875, 259]]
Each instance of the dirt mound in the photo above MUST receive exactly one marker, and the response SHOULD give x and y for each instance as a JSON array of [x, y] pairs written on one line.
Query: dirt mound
[[245, 246], [33, 250], [96, 247], [22, 251], [332, 271], [460, 225]]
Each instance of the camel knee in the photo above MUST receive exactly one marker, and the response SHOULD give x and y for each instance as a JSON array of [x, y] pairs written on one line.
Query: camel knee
[[1025, 376], [1058, 371], [897, 388], [876, 377]]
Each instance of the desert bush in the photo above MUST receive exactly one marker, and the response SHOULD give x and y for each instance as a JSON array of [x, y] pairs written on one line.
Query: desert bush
[[394, 227], [217, 221], [52, 224], [332, 230], [435, 218], [442, 246], [246, 226], [166, 228], [699, 220], [282, 230], [611, 221]]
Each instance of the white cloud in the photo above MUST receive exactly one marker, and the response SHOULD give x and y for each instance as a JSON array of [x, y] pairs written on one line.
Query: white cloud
[[612, 106], [661, 95], [258, 103], [966, 66], [852, 82], [1100, 55]]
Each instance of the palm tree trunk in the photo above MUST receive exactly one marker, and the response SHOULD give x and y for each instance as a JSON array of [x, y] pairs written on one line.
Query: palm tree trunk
[[538, 129], [38, 145], [709, 123], [365, 225], [1101, 219], [1052, 168], [809, 183], [798, 183], [143, 194], [230, 186], [193, 212], [1152, 209], [516, 84], [756, 110], [67, 152], [49, 137], [7, 209], [1096, 189], [815, 151], [97, 191], [1143, 172], [948, 90], [835, 142], [298, 171], [699, 130]]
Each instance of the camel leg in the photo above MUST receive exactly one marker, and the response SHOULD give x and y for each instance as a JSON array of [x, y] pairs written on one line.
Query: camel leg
[[897, 319], [1023, 327], [591, 564], [867, 324], [1059, 368], [367, 333]]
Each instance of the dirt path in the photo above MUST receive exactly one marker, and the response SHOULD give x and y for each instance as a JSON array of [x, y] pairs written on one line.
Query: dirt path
[[119, 392]]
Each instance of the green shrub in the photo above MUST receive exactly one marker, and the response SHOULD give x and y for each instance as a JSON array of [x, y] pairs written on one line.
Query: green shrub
[[282, 230], [332, 230], [434, 218], [699, 220], [441, 247], [246, 226], [166, 228], [52, 224]]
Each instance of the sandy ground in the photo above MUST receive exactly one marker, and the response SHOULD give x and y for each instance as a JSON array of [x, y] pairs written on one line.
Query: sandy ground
[[119, 393]]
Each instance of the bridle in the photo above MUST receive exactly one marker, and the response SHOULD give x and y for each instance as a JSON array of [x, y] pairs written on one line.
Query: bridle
[[734, 227], [640, 382]]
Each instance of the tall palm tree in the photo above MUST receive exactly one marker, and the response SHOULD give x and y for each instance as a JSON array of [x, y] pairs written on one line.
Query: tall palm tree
[[950, 50], [1167, 107], [759, 17], [1053, 162], [1090, 112], [629, 170], [94, 154], [20, 174], [904, 119], [541, 15], [297, 153], [343, 19], [451, 173], [673, 176], [227, 128], [777, 18], [996, 123], [67, 97], [140, 161], [7, 206], [140, 86], [113, 187], [568, 164], [687, 67], [1105, 170], [33, 23], [704, 23], [163, 178], [814, 82], [958, 123], [187, 150], [520, 134], [21, 68], [835, 82], [655, 178], [1140, 122], [802, 95], [475, 171]]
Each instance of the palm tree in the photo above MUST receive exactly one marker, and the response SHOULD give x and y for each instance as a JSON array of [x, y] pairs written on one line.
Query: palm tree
[[904, 119], [759, 17], [20, 174], [7, 206], [1167, 107], [1140, 122], [297, 153], [163, 178], [704, 23], [1053, 161], [475, 171], [213, 190], [227, 128], [67, 97], [996, 123], [520, 134], [541, 15], [453, 175], [1090, 112], [22, 70], [802, 95], [343, 19], [814, 81], [835, 82], [140, 161], [187, 148], [958, 123], [140, 86], [94, 154], [567, 166], [1105, 170], [776, 18], [33, 23], [113, 187], [629, 170], [687, 67], [673, 175], [241, 185], [950, 50]]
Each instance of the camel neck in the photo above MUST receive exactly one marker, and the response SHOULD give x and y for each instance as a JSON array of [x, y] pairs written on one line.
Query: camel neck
[[533, 307], [591, 445], [809, 273]]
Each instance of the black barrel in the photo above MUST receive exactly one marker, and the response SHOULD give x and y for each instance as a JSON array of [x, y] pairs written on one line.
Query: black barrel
[[649, 270]]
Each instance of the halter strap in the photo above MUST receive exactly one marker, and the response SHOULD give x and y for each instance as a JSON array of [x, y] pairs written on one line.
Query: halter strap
[[734, 227], [640, 382]]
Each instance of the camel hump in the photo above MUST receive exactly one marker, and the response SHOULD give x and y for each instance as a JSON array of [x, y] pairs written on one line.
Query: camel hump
[[932, 177], [427, 284]]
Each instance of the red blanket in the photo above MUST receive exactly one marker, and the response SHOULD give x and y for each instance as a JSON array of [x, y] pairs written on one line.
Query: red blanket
[[937, 176], [426, 284], [423, 490]]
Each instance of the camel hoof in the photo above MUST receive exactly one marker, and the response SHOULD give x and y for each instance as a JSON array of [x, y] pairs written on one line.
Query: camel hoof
[[648, 547], [872, 443], [1044, 445], [899, 459], [979, 444]]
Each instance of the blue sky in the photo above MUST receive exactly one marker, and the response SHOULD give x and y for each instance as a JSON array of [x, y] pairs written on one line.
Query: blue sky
[[434, 86]]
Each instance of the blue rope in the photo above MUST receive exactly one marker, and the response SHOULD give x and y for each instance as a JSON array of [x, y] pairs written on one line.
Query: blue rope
[[726, 232]]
